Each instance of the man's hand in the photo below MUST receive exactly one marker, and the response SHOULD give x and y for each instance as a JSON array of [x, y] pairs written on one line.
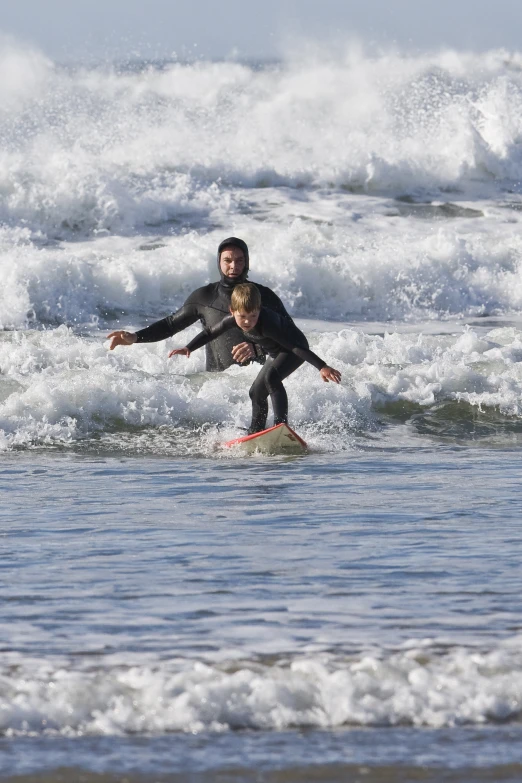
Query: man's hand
[[329, 374], [121, 338], [180, 352], [243, 352]]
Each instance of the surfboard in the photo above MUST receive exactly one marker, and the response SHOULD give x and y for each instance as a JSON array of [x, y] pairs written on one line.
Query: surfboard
[[280, 439]]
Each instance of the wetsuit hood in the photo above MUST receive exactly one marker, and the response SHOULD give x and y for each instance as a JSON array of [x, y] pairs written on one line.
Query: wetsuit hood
[[235, 242]]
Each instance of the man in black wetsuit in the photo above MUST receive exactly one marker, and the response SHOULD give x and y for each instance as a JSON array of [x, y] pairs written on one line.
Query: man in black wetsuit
[[283, 341], [210, 304]]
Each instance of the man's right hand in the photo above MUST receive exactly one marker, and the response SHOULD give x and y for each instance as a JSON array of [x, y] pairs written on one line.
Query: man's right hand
[[121, 338], [243, 352]]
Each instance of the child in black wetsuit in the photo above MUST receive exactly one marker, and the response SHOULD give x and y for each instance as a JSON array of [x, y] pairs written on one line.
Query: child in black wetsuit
[[285, 344]]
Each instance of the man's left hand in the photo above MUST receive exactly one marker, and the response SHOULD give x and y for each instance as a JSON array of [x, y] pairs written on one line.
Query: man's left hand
[[243, 352]]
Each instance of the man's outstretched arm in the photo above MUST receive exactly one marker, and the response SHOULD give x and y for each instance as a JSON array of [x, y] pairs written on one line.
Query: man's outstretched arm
[[160, 330], [169, 326]]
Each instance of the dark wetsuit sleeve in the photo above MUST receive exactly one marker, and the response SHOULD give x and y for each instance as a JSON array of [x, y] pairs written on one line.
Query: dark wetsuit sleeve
[[172, 324], [309, 356], [272, 331], [205, 337]]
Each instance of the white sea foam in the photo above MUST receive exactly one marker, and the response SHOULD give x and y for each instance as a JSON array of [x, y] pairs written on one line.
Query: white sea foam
[[374, 268], [58, 388], [416, 686], [105, 149], [116, 187]]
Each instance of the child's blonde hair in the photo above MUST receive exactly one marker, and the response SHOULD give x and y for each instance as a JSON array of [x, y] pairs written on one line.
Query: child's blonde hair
[[245, 298]]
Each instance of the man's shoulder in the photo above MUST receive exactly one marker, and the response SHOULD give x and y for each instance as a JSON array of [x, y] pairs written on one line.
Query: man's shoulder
[[210, 287], [202, 294], [271, 300], [264, 289], [269, 297], [270, 318]]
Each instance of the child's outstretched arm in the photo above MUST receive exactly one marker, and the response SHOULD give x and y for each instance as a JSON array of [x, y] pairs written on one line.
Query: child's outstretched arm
[[329, 374], [205, 337], [272, 329]]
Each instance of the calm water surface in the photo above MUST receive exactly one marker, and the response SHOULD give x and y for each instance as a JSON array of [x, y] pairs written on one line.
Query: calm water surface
[[312, 615]]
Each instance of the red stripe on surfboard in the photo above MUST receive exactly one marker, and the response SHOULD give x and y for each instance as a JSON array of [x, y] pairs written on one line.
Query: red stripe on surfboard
[[263, 432]]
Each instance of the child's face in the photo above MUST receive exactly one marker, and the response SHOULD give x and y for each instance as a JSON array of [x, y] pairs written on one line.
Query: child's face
[[245, 321]]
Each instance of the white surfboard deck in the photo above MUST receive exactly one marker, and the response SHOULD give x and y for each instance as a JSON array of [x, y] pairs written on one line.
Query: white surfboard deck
[[280, 439]]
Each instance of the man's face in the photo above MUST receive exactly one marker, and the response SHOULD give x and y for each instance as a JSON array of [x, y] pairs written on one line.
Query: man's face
[[245, 321], [232, 262]]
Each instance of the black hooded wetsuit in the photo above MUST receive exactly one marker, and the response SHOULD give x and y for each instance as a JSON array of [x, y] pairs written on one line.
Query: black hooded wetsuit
[[287, 348], [210, 304]]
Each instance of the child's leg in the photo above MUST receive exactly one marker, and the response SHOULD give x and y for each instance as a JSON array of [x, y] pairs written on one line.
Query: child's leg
[[270, 382], [259, 396], [284, 365]]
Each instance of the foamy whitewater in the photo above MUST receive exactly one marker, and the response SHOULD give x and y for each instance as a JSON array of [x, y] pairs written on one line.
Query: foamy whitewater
[[169, 606]]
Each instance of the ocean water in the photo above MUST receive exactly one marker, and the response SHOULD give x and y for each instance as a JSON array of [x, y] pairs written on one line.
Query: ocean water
[[172, 610]]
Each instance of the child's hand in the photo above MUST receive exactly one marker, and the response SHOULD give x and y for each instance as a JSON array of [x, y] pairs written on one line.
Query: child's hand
[[181, 351], [329, 374]]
